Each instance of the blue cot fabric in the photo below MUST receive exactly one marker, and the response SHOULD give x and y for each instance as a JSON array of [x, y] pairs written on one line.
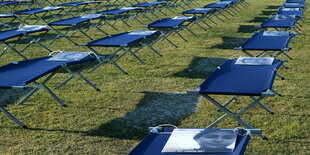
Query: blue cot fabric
[[297, 13], [8, 34], [232, 79], [167, 23], [153, 144], [271, 22], [25, 72], [260, 42], [118, 40], [199, 11], [148, 4], [293, 5], [35, 11], [70, 21], [216, 5], [295, 1], [117, 11], [73, 4]]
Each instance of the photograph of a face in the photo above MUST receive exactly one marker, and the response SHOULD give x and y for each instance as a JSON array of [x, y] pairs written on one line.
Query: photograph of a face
[[254, 61], [201, 140]]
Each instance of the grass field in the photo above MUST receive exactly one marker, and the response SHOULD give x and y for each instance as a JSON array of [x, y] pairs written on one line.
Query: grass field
[[115, 120]]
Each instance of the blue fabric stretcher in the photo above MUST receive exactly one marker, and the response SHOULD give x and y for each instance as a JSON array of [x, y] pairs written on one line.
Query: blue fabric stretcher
[[19, 33], [75, 24], [282, 22], [153, 144], [276, 41], [126, 42], [291, 11], [172, 26], [18, 75], [232, 78], [44, 11], [268, 41], [294, 5]]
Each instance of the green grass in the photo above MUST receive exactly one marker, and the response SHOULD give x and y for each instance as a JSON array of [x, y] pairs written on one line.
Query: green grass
[[115, 120]]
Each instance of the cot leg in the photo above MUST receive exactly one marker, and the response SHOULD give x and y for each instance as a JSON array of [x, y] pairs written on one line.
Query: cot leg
[[28, 95], [228, 102], [133, 53], [261, 104], [53, 95], [12, 117], [280, 76], [250, 127]]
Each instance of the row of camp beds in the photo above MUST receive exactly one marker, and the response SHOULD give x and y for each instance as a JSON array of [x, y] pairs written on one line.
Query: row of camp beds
[[125, 42], [240, 77], [287, 17], [253, 80], [54, 12], [168, 26], [276, 43]]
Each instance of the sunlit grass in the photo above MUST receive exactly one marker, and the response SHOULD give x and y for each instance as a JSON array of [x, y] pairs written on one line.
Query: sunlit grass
[[104, 122]]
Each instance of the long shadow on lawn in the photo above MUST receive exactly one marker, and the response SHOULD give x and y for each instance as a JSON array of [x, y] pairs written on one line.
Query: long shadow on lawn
[[154, 109], [11, 96], [229, 43], [247, 29], [200, 67]]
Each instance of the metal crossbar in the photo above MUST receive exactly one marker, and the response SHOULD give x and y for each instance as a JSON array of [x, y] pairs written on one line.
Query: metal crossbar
[[237, 115]]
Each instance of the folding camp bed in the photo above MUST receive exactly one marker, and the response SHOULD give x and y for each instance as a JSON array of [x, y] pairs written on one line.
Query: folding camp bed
[[77, 24], [18, 75], [246, 76], [7, 20], [126, 42], [79, 7], [172, 26], [269, 42], [225, 6], [294, 5], [43, 11], [122, 14], [282, 22], [291, 11], [202, 15], [19, 33], [155, 141], [150, 7]]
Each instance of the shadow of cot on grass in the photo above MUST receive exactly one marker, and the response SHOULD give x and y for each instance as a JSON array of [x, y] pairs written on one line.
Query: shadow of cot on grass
[[200, 67], [229, 43], [154, 109]]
